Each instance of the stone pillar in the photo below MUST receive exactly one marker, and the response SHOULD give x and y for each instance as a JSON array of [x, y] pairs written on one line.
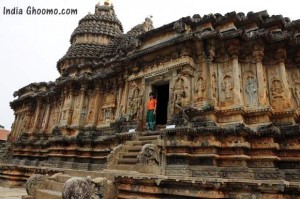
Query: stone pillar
[[258, 55], [208, 74], [236, 80], [236, 72], [97, 104], [61, 109], [71, 108], [81, 103], [47, 116], [38, 110], [125, 94], [281, 55], [15, 129]]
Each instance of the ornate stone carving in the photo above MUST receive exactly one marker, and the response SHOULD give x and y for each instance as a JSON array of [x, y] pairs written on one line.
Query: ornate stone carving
[[277, 94], [200, 87], [36, 181], [214, 87], [149, 155], [76, 112], [227, 88], [181, 93], [295, 87], [135, 102], [180, 26], [91, 107], [109, 103], [79, 188], [251, 89]]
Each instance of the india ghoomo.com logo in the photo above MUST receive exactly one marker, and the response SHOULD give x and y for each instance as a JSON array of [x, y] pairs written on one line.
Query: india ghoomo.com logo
[[31, 10]]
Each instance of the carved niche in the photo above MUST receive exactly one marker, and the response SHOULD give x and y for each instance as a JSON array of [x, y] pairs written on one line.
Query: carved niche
[[226, 83], [214, 87], [91, 107], [295, 87], [76, 111], [53, 115], [66, 106], [108, 107], [277, 91], [181, 93], [41, 117], [250, 87], [227, 88], [135, 103], [200, 87]]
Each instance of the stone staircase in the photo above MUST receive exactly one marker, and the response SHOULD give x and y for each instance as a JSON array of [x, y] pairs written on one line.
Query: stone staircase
[[127, 158], [125, 162]]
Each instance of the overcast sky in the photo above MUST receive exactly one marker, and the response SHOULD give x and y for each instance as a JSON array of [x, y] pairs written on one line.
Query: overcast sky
[[30, 45]]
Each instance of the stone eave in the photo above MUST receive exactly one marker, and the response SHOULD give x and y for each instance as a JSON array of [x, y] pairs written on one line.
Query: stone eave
[[158, 46], [164, 28], [273, 20]]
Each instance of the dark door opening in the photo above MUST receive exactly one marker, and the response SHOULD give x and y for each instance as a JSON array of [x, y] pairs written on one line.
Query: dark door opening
[[162, 97]]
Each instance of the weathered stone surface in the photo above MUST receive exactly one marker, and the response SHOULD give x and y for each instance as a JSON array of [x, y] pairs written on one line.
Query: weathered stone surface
[[35, 182], [149, 155], [103, 189], [76, 187]]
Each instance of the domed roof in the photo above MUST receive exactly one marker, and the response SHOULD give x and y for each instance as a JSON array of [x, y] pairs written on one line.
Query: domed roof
[[102, 22], [93, 33]]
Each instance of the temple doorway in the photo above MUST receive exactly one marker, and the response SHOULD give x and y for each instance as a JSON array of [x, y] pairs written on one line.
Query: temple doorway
[[162, 97]]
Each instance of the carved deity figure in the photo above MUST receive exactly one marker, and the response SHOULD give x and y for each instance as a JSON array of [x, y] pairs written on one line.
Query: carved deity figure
[[214, 87], [227, 88], [277, 89], [296, 92], [296, 87], [251, 89], [200, 87], [179, 92], [149, 155], [135, 104]]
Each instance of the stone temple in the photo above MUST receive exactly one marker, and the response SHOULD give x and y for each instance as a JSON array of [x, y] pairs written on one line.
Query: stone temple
[[228, 92]]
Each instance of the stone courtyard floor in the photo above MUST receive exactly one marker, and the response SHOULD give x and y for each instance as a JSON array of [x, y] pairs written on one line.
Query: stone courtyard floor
[[12, 193]]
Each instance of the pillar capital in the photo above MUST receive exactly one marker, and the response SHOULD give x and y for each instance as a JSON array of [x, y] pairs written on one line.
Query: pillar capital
[[258, 55], [233, 47], [281, 54]]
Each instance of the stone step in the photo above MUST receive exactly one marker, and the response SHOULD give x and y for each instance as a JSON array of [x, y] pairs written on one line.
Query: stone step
[[48, 194], [63, 178], [147, 138], [128, 161], [129, 155], [134, 148], [55, 186], [148, 133], [82, 173], [134, 143]]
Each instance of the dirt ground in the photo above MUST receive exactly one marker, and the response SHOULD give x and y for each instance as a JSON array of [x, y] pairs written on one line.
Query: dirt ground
[[12, 193]]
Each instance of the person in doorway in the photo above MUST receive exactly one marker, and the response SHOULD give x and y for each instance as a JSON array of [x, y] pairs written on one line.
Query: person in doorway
[[151, 111]]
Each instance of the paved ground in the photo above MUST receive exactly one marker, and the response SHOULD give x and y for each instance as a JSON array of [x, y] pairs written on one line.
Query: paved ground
[[12, 193]]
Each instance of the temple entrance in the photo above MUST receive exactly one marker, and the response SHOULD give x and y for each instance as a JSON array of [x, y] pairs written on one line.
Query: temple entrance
[[162, 96]]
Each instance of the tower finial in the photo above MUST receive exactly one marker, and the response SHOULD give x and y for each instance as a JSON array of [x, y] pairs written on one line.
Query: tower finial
[[106, 2]]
